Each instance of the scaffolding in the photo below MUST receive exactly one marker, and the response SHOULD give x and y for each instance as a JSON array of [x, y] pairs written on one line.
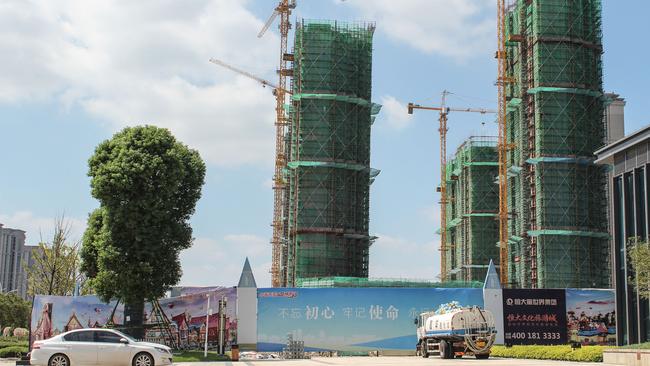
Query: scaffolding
[[556, 195], [329, 170], [472, 209]]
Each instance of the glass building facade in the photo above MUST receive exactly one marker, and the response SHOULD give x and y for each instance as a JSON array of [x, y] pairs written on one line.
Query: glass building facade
[[629, 202]]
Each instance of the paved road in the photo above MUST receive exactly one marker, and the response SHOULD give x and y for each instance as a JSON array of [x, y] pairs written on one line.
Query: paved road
[[381, 361], [398, 361]]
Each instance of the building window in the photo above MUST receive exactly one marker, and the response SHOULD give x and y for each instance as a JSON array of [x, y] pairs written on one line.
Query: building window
[[640, 199]]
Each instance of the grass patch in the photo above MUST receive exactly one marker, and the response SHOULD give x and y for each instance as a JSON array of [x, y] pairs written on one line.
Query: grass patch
[[197, 356], [560, 353], [645, 345], [13, 351]]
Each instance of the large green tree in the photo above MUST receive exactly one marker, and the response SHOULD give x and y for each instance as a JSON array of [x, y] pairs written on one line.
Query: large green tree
[[147, 184], [14, 311], [639, 255]]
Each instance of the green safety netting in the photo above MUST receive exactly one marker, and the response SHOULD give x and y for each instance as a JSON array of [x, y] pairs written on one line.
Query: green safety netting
[[556, 202], [329, 170], [473, 201]]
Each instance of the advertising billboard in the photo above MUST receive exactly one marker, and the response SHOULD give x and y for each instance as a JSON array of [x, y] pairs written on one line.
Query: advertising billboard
[[53, 315], [534, 316], [349, 319], [188, 314], [591, 316], [559, 316]]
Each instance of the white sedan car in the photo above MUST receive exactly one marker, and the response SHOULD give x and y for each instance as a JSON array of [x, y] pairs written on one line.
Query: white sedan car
[[98, 347]]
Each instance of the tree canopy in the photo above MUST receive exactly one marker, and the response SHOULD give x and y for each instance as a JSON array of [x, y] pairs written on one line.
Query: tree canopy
[[147, 184], [14, 311], [639, 255]]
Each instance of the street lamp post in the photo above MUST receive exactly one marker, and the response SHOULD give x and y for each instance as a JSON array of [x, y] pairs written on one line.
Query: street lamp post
[[222, 324], [207, 324]]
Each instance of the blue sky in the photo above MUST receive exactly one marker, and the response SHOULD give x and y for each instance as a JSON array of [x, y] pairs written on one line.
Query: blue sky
[[75, 72]]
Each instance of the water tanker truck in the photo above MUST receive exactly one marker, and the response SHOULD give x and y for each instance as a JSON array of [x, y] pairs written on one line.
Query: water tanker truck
[[454, 331]]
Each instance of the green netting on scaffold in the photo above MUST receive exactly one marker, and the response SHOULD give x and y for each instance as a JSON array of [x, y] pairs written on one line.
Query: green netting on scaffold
[[554, 125], [472, 208], [329, 170]]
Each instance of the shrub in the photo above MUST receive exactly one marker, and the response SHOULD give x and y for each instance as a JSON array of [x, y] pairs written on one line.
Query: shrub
[[5, 343], [13, 351], [560, 353]]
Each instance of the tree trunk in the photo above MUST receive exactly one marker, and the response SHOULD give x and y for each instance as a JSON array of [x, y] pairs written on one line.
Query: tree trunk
[[133, 319]]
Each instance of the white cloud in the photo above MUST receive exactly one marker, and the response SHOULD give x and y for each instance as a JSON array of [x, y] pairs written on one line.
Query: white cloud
[[458, 28], [38, 228], [147, 62], [394, 113], [219, 262], [251, 245]]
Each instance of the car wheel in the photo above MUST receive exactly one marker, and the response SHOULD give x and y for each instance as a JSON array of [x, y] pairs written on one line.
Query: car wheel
[[143, 359], [59, 360]]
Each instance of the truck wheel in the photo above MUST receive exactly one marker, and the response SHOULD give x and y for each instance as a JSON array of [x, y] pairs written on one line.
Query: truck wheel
[[420, 349], [446, 350], [483, 356]]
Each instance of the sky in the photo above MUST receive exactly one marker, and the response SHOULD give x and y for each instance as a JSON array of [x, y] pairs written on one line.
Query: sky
[[76, 72]]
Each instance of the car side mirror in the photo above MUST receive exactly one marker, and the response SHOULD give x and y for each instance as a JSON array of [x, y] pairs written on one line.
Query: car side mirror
[[416, 321], [124, 341]]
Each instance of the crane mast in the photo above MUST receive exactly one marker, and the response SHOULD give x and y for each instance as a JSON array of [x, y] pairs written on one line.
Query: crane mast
[[443, 129], [503, 147], [282, 122]]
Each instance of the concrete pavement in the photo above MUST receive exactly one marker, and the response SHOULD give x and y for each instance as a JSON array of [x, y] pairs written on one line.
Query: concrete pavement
[[381, 361], [397, 361]]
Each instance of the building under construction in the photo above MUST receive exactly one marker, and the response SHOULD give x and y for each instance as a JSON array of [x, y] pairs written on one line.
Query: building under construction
[[472, 209], [328, 169], [556, 195]]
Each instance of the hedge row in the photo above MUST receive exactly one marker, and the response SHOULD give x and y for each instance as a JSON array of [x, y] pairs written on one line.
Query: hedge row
[[13, 351], [560, 353], [638, 346], [7, 343]]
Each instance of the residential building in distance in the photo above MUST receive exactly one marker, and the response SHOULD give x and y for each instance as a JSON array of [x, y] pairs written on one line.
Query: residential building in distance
[[15, 257], [614, 118]]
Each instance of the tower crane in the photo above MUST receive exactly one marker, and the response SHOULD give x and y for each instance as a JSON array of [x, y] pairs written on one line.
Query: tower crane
[[443, 112], [502, 145], [264, 82], [282, 122]]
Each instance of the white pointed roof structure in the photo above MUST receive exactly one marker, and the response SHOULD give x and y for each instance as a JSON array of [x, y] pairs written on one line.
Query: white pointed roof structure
[[492, 278], [247, 279]]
